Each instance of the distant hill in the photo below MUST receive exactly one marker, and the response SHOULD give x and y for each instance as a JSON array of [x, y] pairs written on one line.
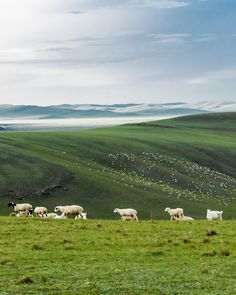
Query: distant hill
[[184, 162], [108, 111]]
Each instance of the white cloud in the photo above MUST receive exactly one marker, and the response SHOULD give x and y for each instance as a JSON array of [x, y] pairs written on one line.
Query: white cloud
[[213, 76], [177, 38], [161, 4]]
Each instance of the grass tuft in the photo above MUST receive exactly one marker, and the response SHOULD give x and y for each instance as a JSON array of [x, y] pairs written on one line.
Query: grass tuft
[[37, 247], [26, 280], [5, 260], [211, 232], [224, 252], [206, 240], [186, 241], [210, 254]]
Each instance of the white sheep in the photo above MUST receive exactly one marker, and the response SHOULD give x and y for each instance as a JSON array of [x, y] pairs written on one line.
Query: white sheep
[[127, 212], [185, 218], [84, 216], [175, 213], [70, 210], [50, 215], [20, 207], [40, 211], [214, 215], [60, 217]]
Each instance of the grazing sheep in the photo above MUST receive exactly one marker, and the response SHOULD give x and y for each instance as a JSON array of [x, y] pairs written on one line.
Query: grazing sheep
[[127, 212], [50, 215], [20, 207], [175, 214], [40, 211], [84, 216], [214, 215], [185, 218], [70, 210]]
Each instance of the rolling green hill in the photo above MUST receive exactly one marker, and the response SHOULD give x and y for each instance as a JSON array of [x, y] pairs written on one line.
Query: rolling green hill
[[187, 162]]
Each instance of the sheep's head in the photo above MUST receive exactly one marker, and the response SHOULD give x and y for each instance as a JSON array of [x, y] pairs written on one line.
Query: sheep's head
[[84, 215], [31, 211], [116, 210], [167, 209], [11, 204], [57, 209]]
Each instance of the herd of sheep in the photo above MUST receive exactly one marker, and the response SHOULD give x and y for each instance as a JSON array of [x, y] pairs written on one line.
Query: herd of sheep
[[27, 210]]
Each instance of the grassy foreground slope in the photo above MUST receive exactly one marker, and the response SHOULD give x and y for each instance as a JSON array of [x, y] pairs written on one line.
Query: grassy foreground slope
[[111, 257], [187, 162]]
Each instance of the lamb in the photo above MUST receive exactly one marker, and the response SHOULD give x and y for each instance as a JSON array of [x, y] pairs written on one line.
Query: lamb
[[60, 217], [185, 218], [40, 211], [84, 216], [20, 207], [175, 213], [127, 212], [70, 210], [50, 215], [214, 215], [28, 213]]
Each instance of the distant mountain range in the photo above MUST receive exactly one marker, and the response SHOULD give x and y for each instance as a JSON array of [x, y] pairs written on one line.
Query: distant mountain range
[[109, 111]]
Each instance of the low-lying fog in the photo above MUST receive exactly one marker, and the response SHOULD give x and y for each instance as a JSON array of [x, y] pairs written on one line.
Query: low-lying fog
[[69, 124]]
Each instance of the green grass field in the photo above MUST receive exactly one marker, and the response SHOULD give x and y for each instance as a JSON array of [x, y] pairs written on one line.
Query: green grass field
[[187, 162], [40, 256]]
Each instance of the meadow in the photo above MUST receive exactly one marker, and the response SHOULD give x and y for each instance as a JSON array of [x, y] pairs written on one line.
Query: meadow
[[40, 256], [186, 162]]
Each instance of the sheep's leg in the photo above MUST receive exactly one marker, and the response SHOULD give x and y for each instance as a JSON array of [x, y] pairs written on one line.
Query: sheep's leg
[[135, 217], [176, 217]]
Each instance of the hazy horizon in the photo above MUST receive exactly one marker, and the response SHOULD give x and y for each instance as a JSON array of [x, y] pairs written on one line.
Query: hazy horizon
[[193, 103]]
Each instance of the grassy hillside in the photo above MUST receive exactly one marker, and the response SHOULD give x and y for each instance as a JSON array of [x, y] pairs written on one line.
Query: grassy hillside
[[111, 257], [187, 162]]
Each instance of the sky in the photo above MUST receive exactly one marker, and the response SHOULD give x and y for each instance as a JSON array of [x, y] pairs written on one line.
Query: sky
[[117, 51]]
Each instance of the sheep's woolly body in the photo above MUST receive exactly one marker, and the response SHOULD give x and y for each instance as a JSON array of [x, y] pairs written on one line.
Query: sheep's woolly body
[[175, 213], [20, 207], [185, 218], [60, 217], [70, 210], [40, 211], [127, 213], [50, 215], [214, 215]]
